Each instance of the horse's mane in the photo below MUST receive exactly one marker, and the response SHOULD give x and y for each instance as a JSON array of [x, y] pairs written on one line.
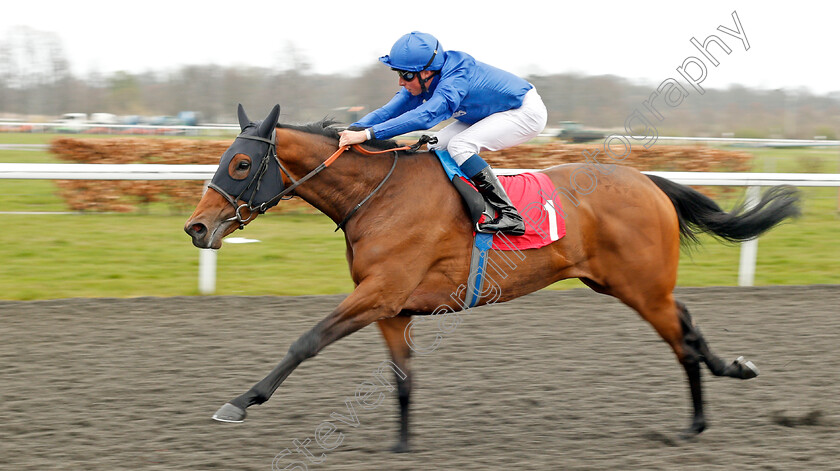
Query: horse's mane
[[330, 128]]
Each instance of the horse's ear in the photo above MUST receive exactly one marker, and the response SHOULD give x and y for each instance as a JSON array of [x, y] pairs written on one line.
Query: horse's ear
[[243, 118], [270, 122]]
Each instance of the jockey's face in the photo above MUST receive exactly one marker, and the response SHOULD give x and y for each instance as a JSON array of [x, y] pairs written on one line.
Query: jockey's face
[[413, 86]]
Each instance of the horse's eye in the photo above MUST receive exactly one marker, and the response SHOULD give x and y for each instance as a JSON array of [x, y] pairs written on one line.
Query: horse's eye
[[239, 167]]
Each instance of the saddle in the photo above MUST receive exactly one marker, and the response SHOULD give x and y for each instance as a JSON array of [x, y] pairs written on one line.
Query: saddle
[[542, 226], [478, 208], [534, 196]]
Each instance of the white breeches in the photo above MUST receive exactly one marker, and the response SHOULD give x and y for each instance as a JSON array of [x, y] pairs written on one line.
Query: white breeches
[[495, 132]]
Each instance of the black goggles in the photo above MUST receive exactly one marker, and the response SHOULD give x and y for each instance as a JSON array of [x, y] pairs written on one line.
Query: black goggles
[[405, 75]]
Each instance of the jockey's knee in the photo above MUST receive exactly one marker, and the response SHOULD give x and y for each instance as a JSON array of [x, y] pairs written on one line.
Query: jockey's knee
[[461, 150]]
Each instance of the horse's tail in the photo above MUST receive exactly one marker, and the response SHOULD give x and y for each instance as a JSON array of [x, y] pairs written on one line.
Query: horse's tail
[[698, 213]]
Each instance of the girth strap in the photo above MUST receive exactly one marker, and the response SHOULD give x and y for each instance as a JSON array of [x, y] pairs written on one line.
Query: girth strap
[[478, 268]]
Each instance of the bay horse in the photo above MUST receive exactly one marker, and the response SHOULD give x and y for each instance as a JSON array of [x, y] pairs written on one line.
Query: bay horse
[[409, 245]]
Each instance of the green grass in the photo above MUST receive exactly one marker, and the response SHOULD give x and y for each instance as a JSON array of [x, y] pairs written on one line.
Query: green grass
[[125, 255], [27, 138], [119, 255], [795, 160], [803, 251]]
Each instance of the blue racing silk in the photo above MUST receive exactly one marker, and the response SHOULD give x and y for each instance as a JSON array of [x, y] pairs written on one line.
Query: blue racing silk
[[465, 89]]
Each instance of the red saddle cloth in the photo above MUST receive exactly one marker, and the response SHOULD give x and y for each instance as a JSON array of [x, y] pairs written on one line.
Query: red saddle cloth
[[533, 196]]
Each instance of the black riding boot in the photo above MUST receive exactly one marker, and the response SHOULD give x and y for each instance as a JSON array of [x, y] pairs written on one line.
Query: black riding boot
[[509, 220]]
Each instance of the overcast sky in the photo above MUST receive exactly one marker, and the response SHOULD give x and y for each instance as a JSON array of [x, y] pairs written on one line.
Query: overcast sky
[[792, 44]]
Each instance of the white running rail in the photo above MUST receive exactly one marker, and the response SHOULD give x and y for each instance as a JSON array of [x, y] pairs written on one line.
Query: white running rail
[[207, 270]]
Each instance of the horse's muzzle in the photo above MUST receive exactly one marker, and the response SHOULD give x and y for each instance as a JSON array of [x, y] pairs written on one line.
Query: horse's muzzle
[[212, 219], [208, 236], [198, 232]]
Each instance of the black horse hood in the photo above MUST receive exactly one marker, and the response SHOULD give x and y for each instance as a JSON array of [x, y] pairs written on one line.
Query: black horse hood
[[257, 141]]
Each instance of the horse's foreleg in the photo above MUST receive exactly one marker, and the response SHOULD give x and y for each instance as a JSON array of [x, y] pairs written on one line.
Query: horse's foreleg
[[393, 331], [361, 308]]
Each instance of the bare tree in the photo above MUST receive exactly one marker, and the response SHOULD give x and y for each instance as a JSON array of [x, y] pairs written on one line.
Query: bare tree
[[34, 65]]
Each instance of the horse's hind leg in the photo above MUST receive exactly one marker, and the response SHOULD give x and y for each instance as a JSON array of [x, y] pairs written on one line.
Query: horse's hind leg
[[662, 313], [740, 368], [673, 322]]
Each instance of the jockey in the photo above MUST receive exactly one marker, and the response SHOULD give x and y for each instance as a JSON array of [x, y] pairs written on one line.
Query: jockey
[[493, 110]]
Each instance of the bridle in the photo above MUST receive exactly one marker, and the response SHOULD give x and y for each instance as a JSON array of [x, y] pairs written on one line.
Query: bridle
[[287, 192], [256, 181]]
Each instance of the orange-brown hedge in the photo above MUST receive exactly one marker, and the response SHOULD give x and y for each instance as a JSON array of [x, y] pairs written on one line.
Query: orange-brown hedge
[[660, 157], [127, 196]]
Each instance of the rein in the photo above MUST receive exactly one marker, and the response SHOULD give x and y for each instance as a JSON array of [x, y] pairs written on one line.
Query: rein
[[364, 151], [263, 207], [410, 149]]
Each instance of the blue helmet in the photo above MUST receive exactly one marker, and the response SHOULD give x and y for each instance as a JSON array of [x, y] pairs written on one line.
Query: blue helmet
[[414, 52]]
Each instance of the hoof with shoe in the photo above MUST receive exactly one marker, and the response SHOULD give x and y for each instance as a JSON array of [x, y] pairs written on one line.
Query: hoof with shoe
[[230, 413], [743, 368]]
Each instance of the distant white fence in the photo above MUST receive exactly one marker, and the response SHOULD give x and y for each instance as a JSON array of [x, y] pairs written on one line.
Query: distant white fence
[[747, 141], [213, 129], [753, 181], [106, 172], [98, 128]]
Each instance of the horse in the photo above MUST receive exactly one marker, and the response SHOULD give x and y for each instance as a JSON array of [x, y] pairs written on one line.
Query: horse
[[409, 245]]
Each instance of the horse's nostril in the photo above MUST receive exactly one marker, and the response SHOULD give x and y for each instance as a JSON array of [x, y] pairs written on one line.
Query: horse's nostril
[[197, 229]]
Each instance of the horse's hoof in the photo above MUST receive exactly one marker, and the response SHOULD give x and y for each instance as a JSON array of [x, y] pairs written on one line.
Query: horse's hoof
[[696, 428], [747, 368], [689, 434], [400, 447], [230, 413]]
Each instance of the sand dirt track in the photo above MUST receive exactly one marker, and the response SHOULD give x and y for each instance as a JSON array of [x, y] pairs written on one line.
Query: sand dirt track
[[555, 380]]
